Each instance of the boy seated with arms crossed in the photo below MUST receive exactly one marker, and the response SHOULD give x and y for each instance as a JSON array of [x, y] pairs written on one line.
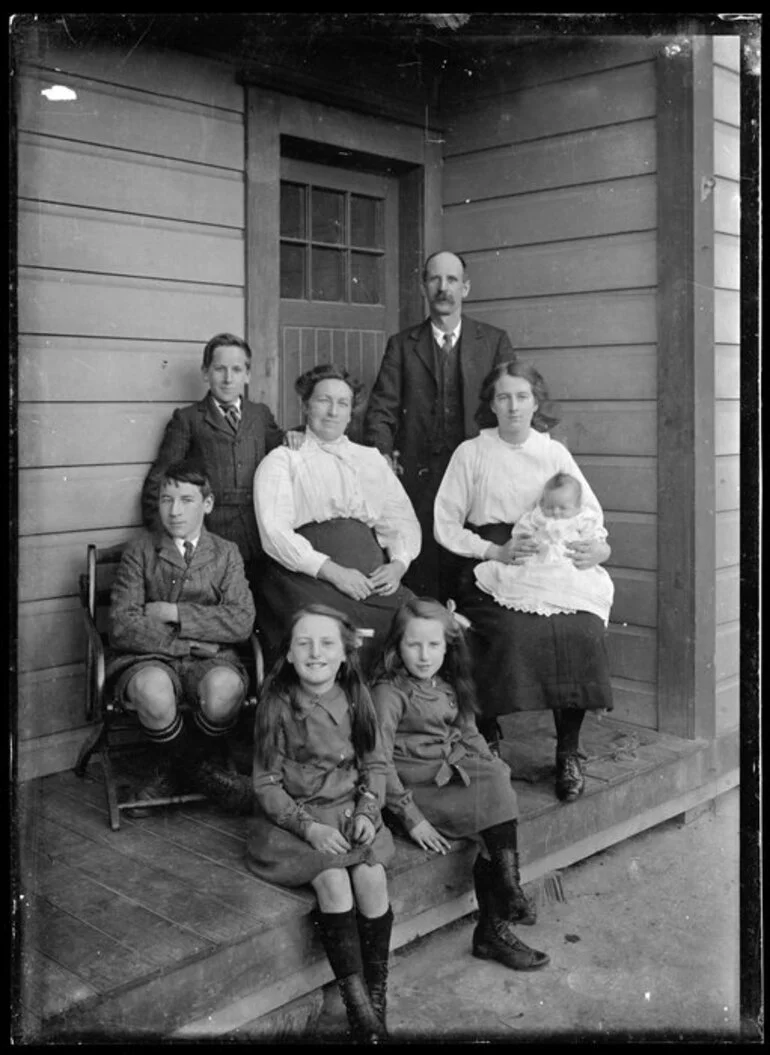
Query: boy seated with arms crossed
[[179, 605]]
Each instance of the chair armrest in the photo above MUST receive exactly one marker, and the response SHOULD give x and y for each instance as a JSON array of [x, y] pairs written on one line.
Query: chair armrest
[[95, 666], [259, 659]]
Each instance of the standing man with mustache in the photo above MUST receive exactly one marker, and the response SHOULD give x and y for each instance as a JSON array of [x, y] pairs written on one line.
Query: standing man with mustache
[[425, 402]]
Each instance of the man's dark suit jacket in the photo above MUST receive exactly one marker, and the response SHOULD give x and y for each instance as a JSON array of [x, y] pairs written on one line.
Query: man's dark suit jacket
[[402, 405], [400, 416], [201, 434]]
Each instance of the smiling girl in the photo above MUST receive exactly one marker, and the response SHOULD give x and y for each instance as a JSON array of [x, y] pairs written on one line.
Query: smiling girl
[[319, 781]]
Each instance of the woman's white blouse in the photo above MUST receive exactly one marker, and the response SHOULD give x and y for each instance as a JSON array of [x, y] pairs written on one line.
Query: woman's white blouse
[[490, 481], [323, 481]]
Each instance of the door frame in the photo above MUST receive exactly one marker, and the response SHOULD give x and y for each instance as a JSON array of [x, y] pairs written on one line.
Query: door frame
[[412, 155]]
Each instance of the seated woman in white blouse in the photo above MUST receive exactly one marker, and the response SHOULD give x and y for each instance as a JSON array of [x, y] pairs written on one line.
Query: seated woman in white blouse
[[334, 520], [525, 660]]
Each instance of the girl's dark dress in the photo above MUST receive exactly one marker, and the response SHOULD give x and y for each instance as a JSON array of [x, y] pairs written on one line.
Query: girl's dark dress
[[316, 777], [442, 769]]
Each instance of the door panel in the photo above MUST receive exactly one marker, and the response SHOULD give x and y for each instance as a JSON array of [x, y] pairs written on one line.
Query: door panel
[[339, 273]]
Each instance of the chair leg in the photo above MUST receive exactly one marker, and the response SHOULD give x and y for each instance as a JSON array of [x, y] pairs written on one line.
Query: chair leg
[[93, 743], [110, 789]]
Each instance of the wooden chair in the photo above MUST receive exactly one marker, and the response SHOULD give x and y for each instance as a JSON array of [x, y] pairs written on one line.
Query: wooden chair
[[101, 706]]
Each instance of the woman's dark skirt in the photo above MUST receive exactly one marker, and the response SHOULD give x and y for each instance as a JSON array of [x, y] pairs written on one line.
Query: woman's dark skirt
[[281, 592], [528, 662]]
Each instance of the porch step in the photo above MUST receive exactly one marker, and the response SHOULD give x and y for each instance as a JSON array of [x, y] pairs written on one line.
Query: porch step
[[258, 968]]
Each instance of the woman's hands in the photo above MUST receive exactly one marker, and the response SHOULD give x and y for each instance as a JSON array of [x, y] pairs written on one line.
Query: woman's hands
[[387, 578], [327, 839], [514, 550], [426, 836], [586, 554], [349, 581]]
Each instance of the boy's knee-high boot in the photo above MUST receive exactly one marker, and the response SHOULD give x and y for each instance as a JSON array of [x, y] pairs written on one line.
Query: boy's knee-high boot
[[502, 842], [339, 936], [375, 949], [493, 936]]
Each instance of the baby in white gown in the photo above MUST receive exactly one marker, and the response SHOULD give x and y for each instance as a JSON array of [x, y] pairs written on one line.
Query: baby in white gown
[[548, 581]]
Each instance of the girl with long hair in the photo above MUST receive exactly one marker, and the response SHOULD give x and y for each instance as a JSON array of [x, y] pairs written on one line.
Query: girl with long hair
[[443, 781], [319, 781]]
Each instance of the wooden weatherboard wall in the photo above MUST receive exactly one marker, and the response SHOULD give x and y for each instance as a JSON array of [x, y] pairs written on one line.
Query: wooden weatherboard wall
[[725, 72], [550, 191], [131, 255]]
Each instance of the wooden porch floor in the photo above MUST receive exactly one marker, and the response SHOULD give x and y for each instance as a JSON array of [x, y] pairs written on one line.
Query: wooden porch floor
[[159, 929]]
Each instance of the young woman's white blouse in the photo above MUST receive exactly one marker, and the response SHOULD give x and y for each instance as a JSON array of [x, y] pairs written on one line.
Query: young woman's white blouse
[[490, 481], [323, 481]]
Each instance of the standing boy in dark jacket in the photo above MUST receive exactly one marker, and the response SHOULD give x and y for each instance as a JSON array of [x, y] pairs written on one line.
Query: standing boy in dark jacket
[[228, 436]]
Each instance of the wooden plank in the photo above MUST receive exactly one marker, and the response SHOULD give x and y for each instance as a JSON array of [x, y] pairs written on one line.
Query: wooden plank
[[622, 261], [59, 170], [49, 565], [610, 372], [727, 314], [336, 126], [47, 988], [262, 248], [552, 58], [728, 705], [727, 151], [111, 306], [67, 237], [686, 312], [727, 206], [633, 538], [727, 51], [51, 634], [727, 261], [580, 320], [728, 594], [94, 370], [52, 501], [635, 597], [622, 484], [63, 434], [133, 120], [728, 539], [727, 471], [609, 427], [609, 207], [86, 952], [157, 941], [160, 891], [727, 653], [50, 754], [162, 71], [607, 97], [411, 209], [727, 96], [49, 701], [727, 366], [566, 160], [259, 904], [727, 427], [633, 652]]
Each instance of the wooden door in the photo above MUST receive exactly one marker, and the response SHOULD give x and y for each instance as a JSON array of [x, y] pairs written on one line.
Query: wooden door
[[339, 274]]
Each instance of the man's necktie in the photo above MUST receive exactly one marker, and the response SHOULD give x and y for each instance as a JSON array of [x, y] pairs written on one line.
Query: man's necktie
[[448, 342], [232, 414], [189, 549]]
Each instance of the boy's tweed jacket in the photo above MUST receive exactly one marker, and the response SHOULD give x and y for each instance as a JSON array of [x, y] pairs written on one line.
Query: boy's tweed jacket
[[212, 595]]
